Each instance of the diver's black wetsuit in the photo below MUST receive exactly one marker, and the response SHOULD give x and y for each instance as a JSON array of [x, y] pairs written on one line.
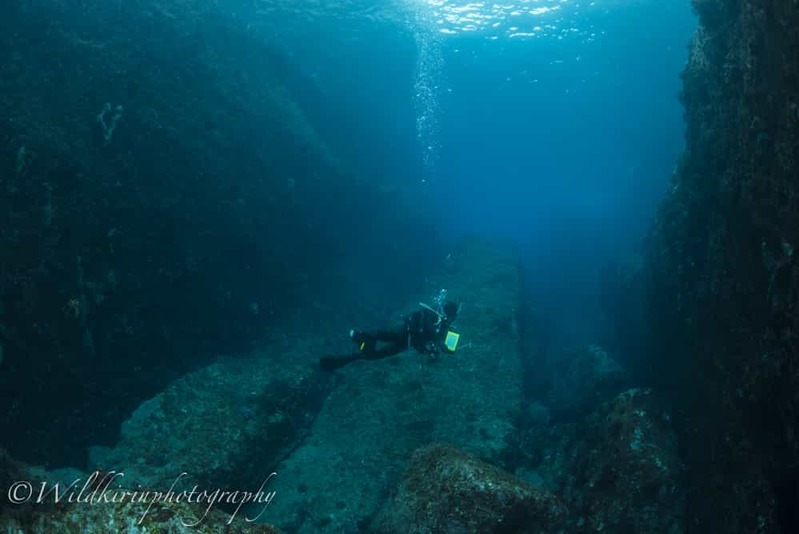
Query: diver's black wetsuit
[[423, 330]]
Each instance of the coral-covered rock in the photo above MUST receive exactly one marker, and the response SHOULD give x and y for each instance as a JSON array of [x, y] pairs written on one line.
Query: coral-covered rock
[[620, 470], [446, 490], [226, 426]]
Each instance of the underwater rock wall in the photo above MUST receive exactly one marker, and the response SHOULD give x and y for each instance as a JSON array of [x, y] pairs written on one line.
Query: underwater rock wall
[[722, 271], [163, 198]]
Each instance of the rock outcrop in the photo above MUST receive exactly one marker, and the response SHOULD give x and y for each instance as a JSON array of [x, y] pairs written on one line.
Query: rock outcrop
[[445, 490], [226, 426], [168, 202], [722, 271], [617, 468]]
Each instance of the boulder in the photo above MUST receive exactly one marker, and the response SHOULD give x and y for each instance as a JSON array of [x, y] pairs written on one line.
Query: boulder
[[619, 470], [446, 490], [226, 426]]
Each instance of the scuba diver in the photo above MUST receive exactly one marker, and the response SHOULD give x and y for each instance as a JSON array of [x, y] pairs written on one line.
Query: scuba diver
[[427, 330]]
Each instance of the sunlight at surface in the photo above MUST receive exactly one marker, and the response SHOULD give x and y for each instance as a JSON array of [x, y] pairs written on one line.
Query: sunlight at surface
[[510, 18]]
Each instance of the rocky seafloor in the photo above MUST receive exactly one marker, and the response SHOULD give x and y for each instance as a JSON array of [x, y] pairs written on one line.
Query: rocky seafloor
[[410, 443]]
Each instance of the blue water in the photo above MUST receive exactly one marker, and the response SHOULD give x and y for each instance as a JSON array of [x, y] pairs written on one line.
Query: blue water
[[559, 127], [553, 123]]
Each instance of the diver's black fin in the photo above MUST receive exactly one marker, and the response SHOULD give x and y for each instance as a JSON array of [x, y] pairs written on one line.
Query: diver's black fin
[[331, 363]]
